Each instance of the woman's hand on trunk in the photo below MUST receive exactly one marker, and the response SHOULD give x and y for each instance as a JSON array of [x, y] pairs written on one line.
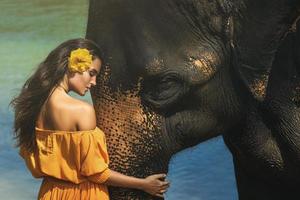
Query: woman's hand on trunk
[[156, 185]]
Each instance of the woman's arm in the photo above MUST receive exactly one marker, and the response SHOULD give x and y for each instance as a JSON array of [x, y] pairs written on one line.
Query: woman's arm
[[154, 184]]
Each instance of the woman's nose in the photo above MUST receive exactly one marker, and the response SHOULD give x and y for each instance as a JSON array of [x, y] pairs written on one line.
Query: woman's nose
[[93, 81]]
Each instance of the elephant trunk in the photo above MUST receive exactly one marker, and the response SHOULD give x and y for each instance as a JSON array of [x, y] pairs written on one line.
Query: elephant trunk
[[136, 137]]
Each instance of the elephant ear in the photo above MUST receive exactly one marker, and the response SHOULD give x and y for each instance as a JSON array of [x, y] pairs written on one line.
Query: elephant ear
[[254, 77], [285, 71], [257, 36], [296, 29]]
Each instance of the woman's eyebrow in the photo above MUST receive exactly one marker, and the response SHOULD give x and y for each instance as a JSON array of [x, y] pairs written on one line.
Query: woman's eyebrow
[[95, 71]]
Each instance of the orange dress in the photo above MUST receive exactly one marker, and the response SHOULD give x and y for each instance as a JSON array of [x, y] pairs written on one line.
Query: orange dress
[[74, 165]]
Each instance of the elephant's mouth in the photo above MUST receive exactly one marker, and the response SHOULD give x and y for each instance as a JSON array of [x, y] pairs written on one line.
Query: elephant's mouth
[[189, 128]]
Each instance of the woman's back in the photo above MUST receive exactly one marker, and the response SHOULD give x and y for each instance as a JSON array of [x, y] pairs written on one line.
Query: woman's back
[[63, 112], [71, 152]]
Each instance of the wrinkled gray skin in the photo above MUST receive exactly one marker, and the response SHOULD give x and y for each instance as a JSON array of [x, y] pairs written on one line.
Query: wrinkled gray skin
[[178, 72]]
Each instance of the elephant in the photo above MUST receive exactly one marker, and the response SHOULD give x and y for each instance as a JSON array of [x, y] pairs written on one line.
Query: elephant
[[179, 72]]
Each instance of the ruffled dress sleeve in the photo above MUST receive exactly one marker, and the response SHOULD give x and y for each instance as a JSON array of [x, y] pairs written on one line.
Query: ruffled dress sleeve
[[94, 157], [71, 156]]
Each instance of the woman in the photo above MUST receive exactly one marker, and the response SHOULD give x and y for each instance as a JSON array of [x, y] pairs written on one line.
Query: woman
[[57, 133]]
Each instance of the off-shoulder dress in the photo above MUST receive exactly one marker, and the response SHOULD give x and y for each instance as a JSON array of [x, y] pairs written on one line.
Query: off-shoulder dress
[[73, 164]]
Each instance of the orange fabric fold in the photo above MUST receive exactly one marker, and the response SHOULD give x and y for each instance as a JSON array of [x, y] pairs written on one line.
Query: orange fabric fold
[[71, 163]]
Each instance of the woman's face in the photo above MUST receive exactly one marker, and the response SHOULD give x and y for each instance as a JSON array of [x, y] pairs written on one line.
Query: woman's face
[[82, 82]]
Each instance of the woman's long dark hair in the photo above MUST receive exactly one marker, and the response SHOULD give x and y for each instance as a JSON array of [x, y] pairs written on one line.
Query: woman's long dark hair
[[38, 87]]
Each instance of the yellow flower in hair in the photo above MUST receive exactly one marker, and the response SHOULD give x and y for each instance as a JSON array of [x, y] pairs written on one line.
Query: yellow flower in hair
[[80, 60]]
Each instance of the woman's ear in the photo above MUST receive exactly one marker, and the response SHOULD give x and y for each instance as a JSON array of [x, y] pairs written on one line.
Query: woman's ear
[[69, 74]]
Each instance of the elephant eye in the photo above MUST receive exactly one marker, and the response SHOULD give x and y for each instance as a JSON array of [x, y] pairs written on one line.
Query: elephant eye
[[166, 84], [163, 92]]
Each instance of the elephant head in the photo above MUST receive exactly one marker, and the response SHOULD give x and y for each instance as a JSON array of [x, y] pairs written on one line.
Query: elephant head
[[178, 72]]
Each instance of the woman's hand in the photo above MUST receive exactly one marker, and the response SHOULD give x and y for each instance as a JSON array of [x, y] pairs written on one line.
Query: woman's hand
[[156, 185]]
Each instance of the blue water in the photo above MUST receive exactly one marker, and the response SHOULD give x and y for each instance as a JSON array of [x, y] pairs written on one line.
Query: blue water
[[28, 31]]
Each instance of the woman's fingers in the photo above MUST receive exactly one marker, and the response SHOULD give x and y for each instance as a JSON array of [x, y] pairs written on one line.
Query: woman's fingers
[[165, 183], [164, 187], [162, 191], [159, 195], [159, 176]]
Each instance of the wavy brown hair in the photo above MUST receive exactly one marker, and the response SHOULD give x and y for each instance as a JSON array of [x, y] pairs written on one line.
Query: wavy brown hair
[[39, 86]]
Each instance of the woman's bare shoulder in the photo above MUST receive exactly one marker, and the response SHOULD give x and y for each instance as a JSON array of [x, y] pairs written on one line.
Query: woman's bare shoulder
[[83, 114], [78, 112]]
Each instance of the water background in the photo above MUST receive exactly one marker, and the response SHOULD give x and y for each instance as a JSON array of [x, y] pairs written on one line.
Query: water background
[[28, 31]]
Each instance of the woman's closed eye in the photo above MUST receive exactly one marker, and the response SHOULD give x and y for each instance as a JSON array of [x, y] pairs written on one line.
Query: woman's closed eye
[[93, 73]]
